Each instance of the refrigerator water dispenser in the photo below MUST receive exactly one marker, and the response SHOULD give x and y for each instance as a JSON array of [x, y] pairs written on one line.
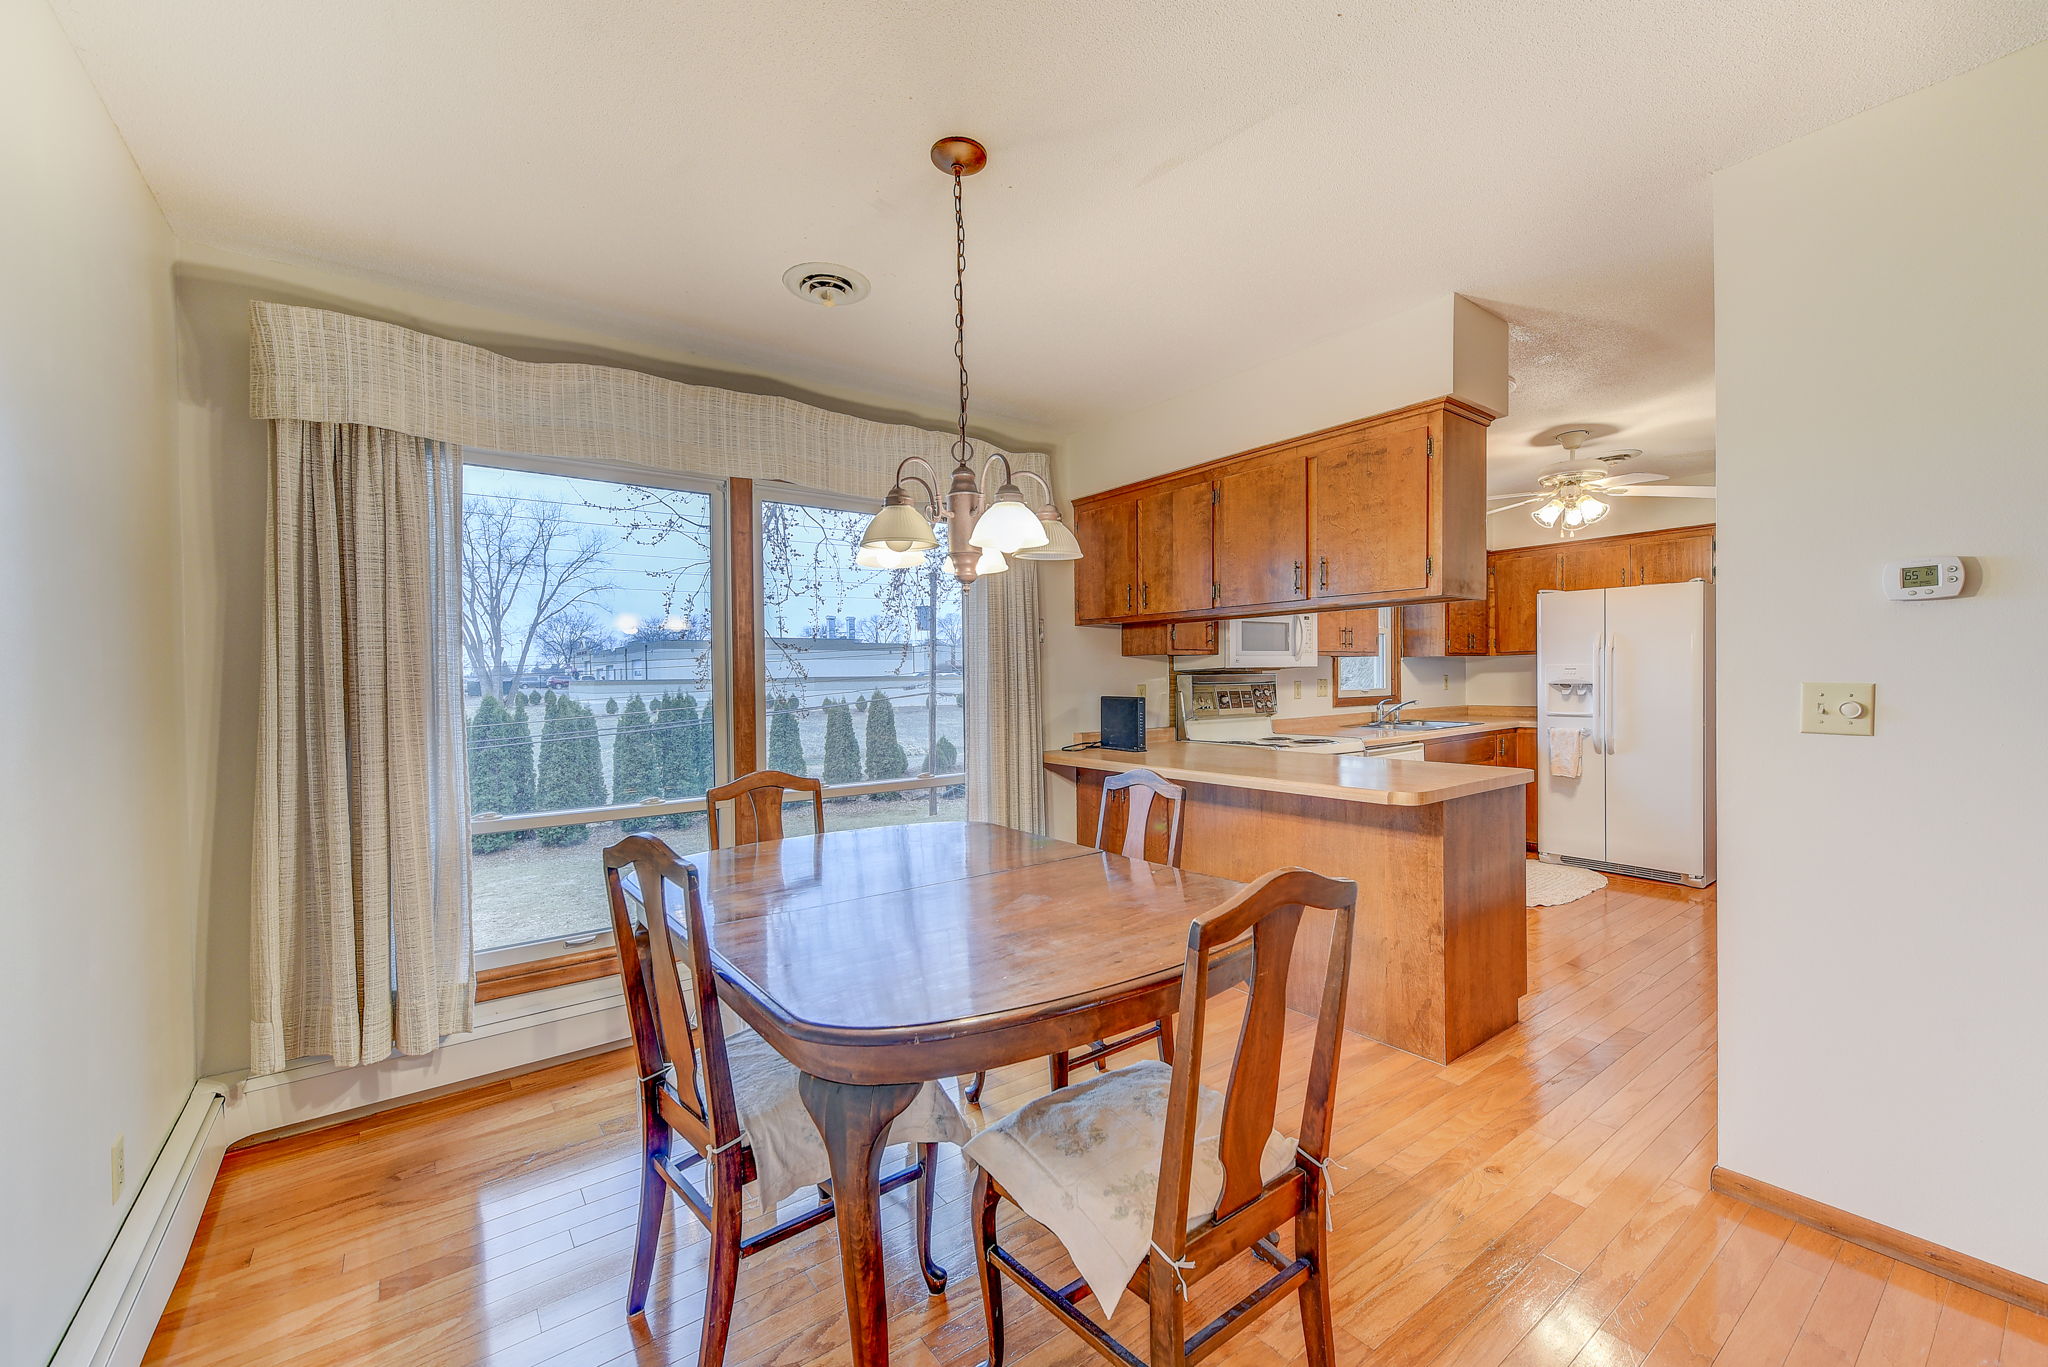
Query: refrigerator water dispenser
[[1570, 692]]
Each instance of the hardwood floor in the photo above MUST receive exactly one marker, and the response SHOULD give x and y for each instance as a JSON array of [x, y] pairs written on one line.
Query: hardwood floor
[[1543, 1200]]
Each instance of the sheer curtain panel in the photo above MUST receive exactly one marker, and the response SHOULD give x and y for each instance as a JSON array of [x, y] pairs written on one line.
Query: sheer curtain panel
[[360, 941]]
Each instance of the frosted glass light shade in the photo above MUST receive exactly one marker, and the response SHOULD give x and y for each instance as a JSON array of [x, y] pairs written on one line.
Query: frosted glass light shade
[[991, 562], [1059, 544], [899, 527], [1548, 514], [873, 558], [1007, 526], [1591, 509]]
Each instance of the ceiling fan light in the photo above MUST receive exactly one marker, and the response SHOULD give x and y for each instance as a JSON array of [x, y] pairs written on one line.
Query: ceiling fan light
[[1059, 543], [1547, 514], [899, 527], [881, 558], [1006, 525], [1591, 510]]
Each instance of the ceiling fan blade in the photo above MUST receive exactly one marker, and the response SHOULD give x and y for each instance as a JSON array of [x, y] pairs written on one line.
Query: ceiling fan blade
[[1620, 481], [1668, 491], [1526, 493], [1505, 506]]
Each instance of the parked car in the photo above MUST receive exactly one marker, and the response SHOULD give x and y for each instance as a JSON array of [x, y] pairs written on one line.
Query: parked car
[[560, 682]]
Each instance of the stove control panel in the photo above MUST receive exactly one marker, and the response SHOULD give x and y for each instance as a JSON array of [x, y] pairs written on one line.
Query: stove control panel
[[1221, 697]]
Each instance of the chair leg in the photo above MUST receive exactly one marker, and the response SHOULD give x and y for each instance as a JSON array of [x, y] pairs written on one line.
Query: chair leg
[[1312, 1235], [927, 1198], [653, 1207], [972, 1093], [1166, 1040], [984, 1201], [723, 1271], [1062, 1070]]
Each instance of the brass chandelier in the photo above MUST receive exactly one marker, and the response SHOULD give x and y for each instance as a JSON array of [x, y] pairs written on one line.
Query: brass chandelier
[[984, 531]]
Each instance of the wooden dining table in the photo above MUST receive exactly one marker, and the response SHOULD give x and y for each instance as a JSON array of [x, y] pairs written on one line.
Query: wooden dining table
[[880, 959]]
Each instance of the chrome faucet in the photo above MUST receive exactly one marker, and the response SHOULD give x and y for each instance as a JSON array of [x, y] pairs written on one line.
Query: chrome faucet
[[1382, 714]]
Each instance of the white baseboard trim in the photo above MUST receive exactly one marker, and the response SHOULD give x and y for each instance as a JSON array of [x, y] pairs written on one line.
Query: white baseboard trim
[[119, 1313]]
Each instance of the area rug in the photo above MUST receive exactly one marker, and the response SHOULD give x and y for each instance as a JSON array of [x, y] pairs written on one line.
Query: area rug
[[1553, 885]]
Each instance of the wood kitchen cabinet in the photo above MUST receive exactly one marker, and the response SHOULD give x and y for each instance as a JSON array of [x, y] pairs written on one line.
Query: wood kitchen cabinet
[[1518, 576], [1369, 495], [1348, 633], [1439, 629], [1176, 555], [1488, 747], [1601, 563], [1383, 511], [1108, 533], [1672, 558], [1522, 755], [1262, 531], [1170, 638]]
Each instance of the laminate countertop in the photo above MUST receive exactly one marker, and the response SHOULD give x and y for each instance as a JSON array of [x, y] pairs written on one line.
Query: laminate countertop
[[1344, 778]]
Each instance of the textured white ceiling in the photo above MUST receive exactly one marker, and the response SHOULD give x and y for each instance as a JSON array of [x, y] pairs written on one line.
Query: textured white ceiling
[[1179, 189]]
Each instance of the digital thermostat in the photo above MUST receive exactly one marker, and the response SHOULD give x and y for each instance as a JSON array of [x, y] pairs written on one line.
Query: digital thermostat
[[1928, 576]]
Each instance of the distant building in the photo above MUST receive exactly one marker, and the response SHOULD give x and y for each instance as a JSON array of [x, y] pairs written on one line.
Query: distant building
[[829, 663]]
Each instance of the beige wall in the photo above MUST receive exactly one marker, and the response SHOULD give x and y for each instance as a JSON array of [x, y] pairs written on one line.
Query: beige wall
[[1881, 290], [96, 990], [224, 457], [1446, 346]]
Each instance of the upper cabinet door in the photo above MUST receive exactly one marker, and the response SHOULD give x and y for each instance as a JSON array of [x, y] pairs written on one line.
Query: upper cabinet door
[[1370, 492], [1176, 560], [1672, 559], [1262, 531], [1106, 577], [1518, 576], [1597, 564]]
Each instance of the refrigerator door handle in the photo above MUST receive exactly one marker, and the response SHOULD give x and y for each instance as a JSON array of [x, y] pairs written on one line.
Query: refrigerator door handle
[[1599, 699], [1607, 691]]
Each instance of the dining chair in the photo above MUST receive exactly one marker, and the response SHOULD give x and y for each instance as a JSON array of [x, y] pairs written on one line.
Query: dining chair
[[1153, 1182], [1139, 816], [688, 1054], [757, 800]]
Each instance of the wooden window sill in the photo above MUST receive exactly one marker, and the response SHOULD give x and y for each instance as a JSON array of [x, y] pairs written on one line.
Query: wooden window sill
[[534, 975]]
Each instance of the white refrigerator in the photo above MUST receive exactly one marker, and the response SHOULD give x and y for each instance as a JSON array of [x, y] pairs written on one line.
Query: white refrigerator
[[1626, 678]]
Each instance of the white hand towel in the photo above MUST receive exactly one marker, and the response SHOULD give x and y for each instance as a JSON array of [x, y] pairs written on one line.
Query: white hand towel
[[1565, 743]]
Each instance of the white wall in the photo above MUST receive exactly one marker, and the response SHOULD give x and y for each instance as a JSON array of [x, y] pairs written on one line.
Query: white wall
[[96, 996], [1883, 365]]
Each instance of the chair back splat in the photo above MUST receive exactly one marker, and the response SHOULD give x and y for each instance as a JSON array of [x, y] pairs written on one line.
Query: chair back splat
[[757, 800], [1141, 817]]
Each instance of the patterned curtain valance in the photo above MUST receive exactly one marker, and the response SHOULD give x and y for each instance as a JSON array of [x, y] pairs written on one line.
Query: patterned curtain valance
[[314, 365]]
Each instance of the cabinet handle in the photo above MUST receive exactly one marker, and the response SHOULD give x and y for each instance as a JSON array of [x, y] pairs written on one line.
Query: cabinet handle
[[1145, 595], [1127, 598], [1325, 580], [1297, 576]]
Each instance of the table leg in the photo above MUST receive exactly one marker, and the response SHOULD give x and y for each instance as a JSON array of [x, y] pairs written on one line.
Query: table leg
[[854, 1121]]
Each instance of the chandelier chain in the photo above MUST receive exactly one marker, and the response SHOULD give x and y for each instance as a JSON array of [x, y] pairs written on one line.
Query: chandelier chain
[[961, 450]]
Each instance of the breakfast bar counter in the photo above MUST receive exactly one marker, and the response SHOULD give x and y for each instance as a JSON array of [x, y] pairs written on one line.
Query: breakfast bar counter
[[1439, 956]]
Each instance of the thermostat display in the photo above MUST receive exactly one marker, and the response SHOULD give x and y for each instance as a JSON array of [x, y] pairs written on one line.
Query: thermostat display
[[1931, 576]]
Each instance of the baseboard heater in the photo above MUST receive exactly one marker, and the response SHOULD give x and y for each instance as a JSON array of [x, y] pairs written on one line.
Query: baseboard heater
[[119, 1314]]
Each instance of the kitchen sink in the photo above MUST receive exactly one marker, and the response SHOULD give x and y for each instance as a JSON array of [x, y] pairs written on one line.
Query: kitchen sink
[[1395, 727]]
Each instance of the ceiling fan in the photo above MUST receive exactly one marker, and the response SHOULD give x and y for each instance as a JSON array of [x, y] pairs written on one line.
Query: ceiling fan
[[1574, 497]]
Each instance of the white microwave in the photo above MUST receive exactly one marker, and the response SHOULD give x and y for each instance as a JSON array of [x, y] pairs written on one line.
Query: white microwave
[[1287, 642]]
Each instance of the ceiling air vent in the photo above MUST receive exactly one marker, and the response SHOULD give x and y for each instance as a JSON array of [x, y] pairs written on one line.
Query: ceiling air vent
[[825, 284]]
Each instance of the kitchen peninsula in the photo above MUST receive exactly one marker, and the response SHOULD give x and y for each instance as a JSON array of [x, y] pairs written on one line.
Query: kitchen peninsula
[[1439, 959]]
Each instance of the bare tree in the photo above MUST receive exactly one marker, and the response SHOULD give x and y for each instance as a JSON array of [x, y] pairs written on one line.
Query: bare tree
[[523, 567], [571, 634]]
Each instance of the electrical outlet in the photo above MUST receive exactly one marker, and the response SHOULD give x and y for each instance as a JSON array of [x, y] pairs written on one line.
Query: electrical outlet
[[1837, 709], [1297, 689], [1447, 683], [1141, 690], [1322, 688], [120, 1167]]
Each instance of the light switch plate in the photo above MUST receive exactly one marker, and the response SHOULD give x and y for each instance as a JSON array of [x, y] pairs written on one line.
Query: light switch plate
[[1821, 708]]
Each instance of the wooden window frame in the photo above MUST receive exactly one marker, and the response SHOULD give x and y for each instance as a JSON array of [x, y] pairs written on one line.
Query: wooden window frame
[[1390, 651]]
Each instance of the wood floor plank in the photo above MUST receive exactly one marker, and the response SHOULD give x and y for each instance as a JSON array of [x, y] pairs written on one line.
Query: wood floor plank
[[1542, 1201]]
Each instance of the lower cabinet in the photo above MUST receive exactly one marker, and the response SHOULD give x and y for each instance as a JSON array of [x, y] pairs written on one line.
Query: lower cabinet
[[1514, 749]]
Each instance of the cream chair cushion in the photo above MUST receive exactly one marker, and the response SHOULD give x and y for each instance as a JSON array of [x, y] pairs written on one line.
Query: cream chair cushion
[[789, 1154], [1084, 1162]]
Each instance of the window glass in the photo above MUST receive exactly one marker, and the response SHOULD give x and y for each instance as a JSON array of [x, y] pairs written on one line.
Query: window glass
[[590, 660], [862, 668]]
